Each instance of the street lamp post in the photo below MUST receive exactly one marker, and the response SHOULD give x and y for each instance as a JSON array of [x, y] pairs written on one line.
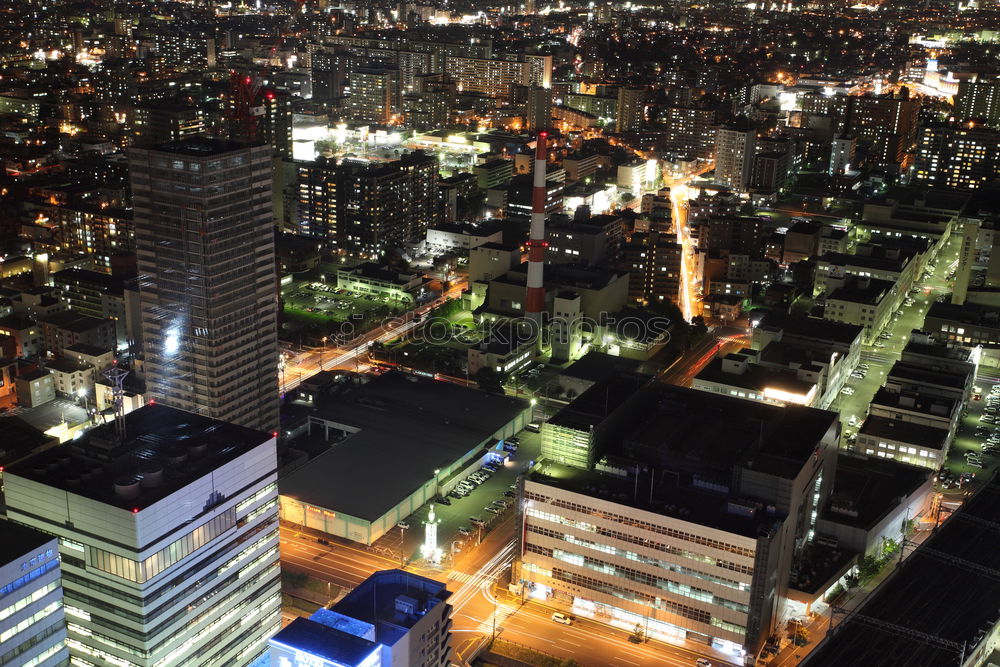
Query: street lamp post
[[322, 352]]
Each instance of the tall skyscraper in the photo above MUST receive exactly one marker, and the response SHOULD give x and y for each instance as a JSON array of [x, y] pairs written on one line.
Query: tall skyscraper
[[653, 261], [208, 283], [958, 157], [365, 209], [630, 113], [538, 108], [374, 94], [979, 100], [734, 151], [168, 534]]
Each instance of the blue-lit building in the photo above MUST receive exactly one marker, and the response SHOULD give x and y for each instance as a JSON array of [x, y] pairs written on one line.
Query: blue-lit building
[[32, 622], [393, 618]]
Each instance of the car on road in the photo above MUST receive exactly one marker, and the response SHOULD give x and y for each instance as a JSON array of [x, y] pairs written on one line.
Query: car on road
[[560, 617], [702, 662]]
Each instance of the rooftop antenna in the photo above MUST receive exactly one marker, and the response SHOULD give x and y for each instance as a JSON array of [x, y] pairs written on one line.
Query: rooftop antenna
[[116, 376]]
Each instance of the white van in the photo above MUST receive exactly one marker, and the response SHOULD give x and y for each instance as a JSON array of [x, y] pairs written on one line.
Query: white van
[[560, 617]]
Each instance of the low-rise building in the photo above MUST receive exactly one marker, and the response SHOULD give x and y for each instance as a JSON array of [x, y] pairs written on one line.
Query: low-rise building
[[392, 618], [34, 386], [72, 378], [62, 330], [865, 302], [373, 280], [461, 237], [409, 422], [739, 374], [20, 336], [904, 441], [874, 499]]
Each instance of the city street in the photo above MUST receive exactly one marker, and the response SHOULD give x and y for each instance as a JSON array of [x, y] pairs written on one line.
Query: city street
[[309, 362]]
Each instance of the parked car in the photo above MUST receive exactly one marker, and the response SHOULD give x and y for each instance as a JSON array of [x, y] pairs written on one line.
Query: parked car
[[464, 531], [847, 391], [443, 500], [492, 510], [402, 524], [476, 521], [509, 494], [534, 427]]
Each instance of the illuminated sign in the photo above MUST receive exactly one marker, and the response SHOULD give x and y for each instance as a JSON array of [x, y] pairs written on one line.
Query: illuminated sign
[[787, 397]]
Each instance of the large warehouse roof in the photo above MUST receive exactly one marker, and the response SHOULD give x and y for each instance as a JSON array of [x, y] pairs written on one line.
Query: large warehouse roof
[[408, 427]]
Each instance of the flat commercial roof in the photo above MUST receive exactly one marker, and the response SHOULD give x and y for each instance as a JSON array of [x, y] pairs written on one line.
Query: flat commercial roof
[[714, 431], [408, 427], [937, 606], [155, 434], [900, 431], [756, 377], [17, 541], [332, 645], [871, 487]]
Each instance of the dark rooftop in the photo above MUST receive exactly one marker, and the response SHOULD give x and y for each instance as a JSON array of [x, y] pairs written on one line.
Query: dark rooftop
[[870, 291], [73, 321], [900, 431], [18, 542], [597, 366], [812, 328], [155, 435], [201, 147], [407, 427], [373, 601], [946, 591], [709, 433], [667, 497], [865, 489]]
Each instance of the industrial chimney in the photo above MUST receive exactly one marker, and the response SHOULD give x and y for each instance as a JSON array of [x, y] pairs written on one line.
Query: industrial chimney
[[535, 291]]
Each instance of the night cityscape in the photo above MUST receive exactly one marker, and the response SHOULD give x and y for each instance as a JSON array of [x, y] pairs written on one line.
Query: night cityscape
[[548, 333]]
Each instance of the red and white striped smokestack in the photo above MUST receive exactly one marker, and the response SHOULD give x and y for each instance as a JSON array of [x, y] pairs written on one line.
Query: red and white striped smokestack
[[535, 292]]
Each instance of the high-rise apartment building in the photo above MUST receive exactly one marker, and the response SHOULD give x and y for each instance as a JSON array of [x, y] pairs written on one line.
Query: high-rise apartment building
[[630, 112], [653, 262], [734, 153], [160, 121], [168, 534], [32, 617], [979, 100], [731, 233], [888, 124], [538, 108], [276, 122], [957, 156], [207, 278], [374, 94], [392, 618], [689, 131], [842, 152], [689, 525], [366, 209]]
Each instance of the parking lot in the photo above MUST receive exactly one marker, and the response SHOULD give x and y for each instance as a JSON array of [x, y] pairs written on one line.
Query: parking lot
[[974, 452], [323, 302], [456, 516], [886, 350]]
